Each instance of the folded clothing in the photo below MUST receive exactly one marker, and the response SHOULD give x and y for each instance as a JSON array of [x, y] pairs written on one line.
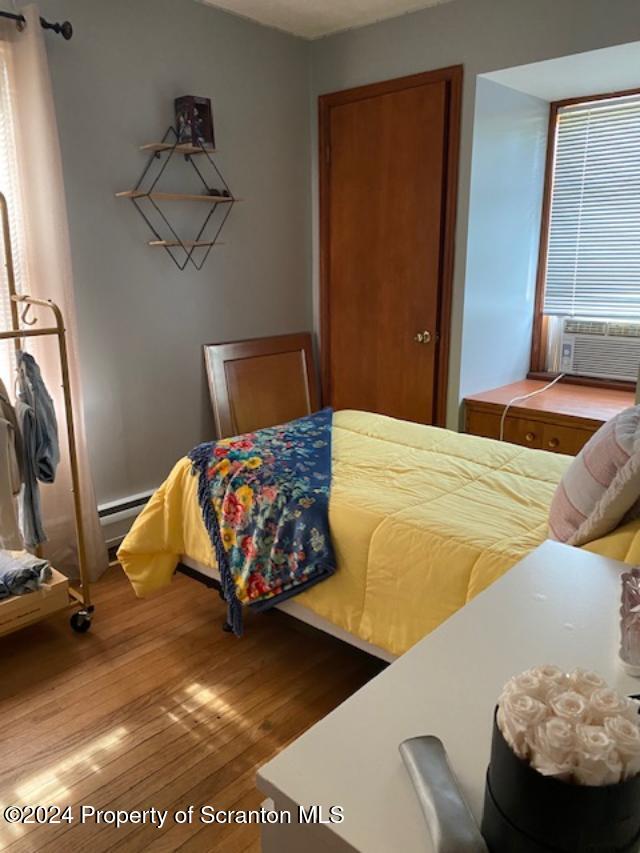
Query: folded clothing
[[21, 573]]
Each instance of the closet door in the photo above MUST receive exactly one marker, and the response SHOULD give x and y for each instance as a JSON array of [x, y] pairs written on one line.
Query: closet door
[[388, 167]]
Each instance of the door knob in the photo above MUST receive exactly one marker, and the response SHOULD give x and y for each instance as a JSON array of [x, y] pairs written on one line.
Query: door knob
[[422, 337]]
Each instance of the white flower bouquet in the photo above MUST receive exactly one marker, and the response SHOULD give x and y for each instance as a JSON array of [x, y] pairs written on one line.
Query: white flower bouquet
[[571, 726], [565, 765]]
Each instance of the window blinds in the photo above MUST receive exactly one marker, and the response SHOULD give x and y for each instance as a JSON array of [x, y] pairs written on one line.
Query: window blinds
[[593, 259]]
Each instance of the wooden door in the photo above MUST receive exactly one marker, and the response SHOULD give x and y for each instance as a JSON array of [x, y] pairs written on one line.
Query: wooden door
[[388, 155]]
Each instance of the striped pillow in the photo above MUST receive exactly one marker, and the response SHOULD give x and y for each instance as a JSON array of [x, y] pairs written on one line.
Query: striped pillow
[[602, 485]]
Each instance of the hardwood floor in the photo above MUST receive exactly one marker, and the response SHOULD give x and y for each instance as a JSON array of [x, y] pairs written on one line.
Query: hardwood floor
[[157, 707]]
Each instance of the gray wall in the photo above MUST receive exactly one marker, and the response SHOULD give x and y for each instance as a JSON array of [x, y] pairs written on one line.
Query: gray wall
[[484, 35], [507, 179], [142, 322]]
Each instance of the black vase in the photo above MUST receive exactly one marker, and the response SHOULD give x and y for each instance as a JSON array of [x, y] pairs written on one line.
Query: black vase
[[526, 812]]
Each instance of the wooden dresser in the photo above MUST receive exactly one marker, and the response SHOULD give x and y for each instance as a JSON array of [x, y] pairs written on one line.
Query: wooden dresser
[[561, 419]]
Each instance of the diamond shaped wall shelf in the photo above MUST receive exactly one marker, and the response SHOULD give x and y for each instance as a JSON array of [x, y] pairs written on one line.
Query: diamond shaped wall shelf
[[149, 199]]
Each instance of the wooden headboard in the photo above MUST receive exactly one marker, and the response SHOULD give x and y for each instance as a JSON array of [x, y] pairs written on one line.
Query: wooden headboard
[[261, 382]]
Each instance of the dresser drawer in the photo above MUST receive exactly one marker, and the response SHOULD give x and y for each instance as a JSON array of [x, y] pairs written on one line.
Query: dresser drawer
[[528, 433], [485, 424], [564, 439], [524, 432]]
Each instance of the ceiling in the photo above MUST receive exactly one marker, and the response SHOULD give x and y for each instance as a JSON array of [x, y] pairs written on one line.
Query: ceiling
[[315, 18]]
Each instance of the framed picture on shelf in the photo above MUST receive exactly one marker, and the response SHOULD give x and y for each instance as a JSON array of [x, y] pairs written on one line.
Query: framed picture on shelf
[[194, 121]]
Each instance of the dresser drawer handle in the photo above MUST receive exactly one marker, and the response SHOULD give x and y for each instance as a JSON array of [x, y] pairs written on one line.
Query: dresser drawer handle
[[530, 436], [553, 443]]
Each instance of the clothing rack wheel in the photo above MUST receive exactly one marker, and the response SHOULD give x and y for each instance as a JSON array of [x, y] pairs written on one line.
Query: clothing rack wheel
[[81, 621], [80, 594]]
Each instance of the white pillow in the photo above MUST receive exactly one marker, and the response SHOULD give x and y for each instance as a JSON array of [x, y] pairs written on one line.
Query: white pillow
[[602, 484]]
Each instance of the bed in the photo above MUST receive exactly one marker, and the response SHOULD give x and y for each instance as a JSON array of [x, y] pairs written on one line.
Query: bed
[[422, 520]]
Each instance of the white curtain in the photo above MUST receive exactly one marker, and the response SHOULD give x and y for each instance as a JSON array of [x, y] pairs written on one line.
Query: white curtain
[[31, 178]]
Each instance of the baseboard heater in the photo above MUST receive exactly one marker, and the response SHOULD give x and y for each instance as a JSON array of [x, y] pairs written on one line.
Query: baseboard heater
[[116, 517]]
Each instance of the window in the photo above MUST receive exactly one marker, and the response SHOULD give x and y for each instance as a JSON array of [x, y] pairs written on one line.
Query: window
[[590, 253]]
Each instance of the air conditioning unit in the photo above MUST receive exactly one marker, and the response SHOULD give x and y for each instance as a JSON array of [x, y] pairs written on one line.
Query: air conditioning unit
[[600, 348]]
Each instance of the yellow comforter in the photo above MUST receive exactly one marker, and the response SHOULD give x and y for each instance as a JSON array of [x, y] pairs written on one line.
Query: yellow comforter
[[422, 520]]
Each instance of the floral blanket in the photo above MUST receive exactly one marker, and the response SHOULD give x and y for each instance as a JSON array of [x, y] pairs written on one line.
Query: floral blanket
[[264, 498]]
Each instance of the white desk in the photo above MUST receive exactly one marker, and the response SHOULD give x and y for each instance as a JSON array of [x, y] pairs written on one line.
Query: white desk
[[559, 605]]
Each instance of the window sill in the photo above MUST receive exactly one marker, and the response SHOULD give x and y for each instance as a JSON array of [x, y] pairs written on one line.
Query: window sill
[[588, 381]]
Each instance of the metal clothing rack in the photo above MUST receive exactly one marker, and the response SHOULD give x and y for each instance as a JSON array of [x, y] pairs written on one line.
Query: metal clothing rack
[[80, 619]]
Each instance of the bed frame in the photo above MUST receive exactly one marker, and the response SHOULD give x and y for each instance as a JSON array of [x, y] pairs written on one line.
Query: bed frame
[[257, 383], [211, 578]]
